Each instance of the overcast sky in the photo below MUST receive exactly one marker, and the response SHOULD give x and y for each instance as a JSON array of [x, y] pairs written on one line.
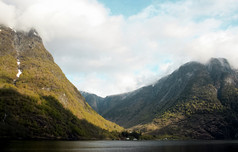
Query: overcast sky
[[113, 46]]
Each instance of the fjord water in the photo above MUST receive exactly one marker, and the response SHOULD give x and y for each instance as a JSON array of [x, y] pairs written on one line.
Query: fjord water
[[119, 146]]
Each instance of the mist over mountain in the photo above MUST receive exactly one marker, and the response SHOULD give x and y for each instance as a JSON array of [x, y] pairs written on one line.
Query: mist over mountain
[[195, 101], [36, 99]]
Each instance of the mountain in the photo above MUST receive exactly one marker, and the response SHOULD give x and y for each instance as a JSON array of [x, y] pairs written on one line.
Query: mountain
[[36, 99], [197, 101], [93, 100]]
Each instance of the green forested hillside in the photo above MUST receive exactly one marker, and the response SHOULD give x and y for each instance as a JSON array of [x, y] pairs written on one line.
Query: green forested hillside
[[23, 117], [197, 101], [202, 116], [41, 78]]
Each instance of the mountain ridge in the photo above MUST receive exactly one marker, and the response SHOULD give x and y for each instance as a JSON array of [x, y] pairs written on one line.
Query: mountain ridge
[[193, 91], [40, 78]]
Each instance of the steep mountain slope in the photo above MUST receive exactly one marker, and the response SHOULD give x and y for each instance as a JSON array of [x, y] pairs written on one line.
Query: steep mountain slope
[[23, 117], [29, 69], [195, 101], [142, 105], [206, 109], [93, 100]]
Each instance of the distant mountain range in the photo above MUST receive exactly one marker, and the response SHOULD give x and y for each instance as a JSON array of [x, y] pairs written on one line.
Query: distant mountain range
[[197, 101], [36, 99]]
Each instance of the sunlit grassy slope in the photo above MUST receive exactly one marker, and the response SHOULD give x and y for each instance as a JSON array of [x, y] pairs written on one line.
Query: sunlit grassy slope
[[41, 79]]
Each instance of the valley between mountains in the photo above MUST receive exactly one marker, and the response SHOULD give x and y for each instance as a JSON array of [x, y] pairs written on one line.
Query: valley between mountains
[[37, 101]]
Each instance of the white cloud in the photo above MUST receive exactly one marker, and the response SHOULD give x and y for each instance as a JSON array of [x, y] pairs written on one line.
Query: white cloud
[[7, 14], [107, 54]]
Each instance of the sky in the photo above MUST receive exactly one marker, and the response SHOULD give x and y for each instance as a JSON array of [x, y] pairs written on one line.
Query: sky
[[113, 46]]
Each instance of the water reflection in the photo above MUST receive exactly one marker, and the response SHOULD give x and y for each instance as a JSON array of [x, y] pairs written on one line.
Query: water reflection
[[119, 146]]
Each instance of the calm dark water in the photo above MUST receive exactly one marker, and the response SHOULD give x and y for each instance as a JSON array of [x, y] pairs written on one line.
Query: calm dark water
[[119, 146]]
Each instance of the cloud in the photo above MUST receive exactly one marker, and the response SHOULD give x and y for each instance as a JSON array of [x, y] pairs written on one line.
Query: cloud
[[107, 54], [189, 30], [7, 14]]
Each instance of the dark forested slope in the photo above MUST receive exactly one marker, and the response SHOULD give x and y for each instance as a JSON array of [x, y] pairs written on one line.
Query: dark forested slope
[[196, 101]]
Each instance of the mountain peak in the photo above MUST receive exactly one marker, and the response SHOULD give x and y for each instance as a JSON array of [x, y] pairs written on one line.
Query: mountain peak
[[217, 66], [190, 66], [29, 69], [34, 33], [218, 63]]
